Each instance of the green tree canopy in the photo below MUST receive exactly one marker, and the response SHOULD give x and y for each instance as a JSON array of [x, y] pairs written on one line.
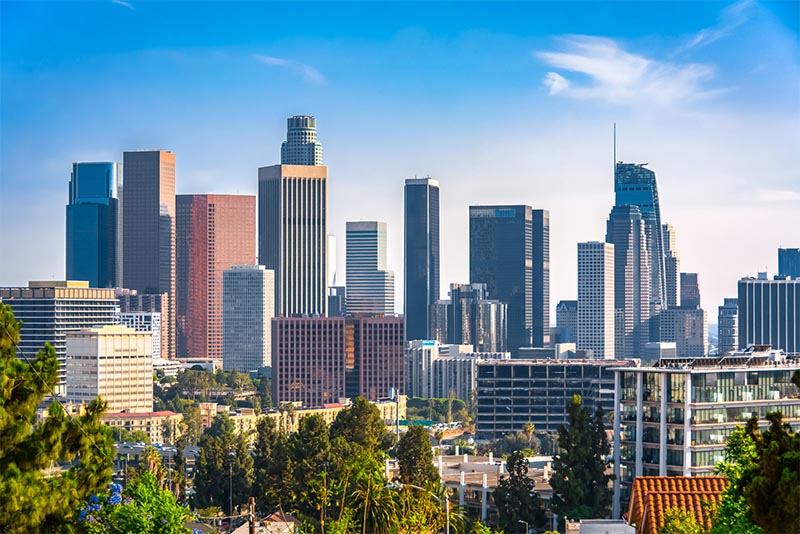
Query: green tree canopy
[[80, 450], [680, 521], [579, 481], [515, 497], [415, 457], [361, 423]]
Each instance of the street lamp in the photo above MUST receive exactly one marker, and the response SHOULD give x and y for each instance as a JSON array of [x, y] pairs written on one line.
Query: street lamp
[[527, 528], [445, 503]]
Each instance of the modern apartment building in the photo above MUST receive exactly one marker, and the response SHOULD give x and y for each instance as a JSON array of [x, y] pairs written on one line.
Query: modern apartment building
[[514, 392], [49, 310], [248, 306], [148, 232], [769, 313], [145, 322], [421, 254], [319, 360], [94, 224], [370, 285], [675, 417], [113, 362], [728, 325], [215, 232], [596, 304], [687, 328]]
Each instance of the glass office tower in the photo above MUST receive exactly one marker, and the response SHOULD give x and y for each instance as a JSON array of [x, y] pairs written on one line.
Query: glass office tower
[[93, 224]]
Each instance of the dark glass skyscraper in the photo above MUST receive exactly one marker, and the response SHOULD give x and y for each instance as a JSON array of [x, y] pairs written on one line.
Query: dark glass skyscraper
[[769, 313], [789, 262], [509, 251], [93, 229], [421, 254]]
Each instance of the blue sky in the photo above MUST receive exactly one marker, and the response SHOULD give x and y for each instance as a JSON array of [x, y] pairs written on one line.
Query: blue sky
[[502, 102]]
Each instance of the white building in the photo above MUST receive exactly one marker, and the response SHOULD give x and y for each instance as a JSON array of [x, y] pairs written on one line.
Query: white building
[[248, 306], [370, 285], [145, 322], [596, 298], [113, 362], [687, 328]]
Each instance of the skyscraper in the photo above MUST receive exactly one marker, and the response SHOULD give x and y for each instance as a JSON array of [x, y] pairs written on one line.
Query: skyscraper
[[421, 244], [769, 313], [728, 324], [148, 226], [596, 323], [301, 146], [687, 327], [690, 291], [672, 265], [635, 185], [248, 306], [567, 321], [370, 285], [293, 222], [541, 278], [471, 318], [626, 231], [93, 224], [215, 232], [789, 262]]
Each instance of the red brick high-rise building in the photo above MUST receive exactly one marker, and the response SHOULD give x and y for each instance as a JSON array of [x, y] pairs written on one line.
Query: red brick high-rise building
[[319, 360], [214, 233]]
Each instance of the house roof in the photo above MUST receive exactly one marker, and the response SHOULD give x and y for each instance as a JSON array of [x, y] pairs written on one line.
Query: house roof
[[651, 497]]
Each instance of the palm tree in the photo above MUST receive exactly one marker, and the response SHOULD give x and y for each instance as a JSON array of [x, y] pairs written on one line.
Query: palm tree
[[529, 429]]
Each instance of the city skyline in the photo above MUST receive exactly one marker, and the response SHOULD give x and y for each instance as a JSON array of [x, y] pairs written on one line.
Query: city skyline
[[697, 132]]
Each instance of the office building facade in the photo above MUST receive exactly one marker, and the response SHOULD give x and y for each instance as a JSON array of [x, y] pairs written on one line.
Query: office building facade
[[370, 285], [626, 230], [596, 304], [50, 310], [789, 262], [148, 231], [149, 322], [337, 306], [728, 326], [672, 266], [541, 278], [421, 254], [675, 418], [687, 328], [215, 232], [567, 321], [320, 360], [301, 146], [248, 306], [470, 317], [513, 392], [113, 362], [94, 227], [690, 290], [769, 313], [131, 302]]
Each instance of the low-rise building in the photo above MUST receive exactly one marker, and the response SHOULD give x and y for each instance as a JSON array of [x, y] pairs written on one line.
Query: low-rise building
[[162, 427]]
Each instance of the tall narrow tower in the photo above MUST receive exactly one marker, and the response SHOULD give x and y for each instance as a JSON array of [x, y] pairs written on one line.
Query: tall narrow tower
[[148, 226], [370, 285], [293, 222], [421, 254]]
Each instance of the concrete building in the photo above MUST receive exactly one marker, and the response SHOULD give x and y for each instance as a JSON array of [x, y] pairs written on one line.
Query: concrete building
[[248, 306], [769, 313], [633, 290], [132, 302], [421, 254], [728, 325], [419, 355], [596, 303], [319, 360], [469, 317], [301, 146], [370, 285], [153, 424], [789, 262], [688, 329], [50, 310], [113, 362], [511, 393], [293, 235], [690, 290], [149, 322], [672, 265], [505, 243], [148, 232], [567, 321], [675, 417], [656, 350], [215, 232], [94, 240]]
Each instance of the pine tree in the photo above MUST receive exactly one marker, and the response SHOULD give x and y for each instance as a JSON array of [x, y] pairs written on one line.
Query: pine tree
[[415, 457], [31, 499], [515, 498]]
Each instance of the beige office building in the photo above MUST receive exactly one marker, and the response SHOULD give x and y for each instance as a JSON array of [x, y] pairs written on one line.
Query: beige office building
[[114, 362]]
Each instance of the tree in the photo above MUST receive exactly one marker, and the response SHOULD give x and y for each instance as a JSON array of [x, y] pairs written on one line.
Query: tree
[[361, 424], [529, 430], [680, 521], [270, 459], [579, 481], [415, 457], [191, 424], [515, 497], [32, 500], [143, 507], [308, 457]]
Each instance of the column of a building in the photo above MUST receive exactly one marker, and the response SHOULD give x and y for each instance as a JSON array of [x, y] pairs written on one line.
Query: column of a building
[[639, 425], [617, 415], [687, 426], [662, 429], [461, 487], [484, 497]]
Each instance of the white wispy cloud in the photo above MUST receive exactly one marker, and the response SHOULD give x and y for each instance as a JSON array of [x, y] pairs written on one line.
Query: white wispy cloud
[[123, 3], [621, 77], [776, 196], [732, 17], [308, 72]]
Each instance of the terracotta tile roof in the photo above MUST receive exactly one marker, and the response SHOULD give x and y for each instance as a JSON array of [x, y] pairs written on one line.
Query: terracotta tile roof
[[652, 496]]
